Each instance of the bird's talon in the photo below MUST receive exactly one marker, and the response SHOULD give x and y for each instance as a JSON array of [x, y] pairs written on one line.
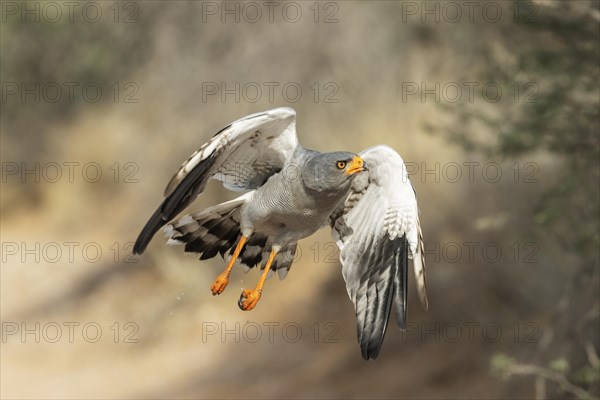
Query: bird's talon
[[219, 285], [248, 299]]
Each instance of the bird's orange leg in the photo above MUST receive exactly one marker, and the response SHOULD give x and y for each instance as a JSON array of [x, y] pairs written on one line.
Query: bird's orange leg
[[249, 298], [223, 279]]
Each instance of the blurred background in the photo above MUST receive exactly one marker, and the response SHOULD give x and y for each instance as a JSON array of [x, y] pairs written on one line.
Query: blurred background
[[493, 105]]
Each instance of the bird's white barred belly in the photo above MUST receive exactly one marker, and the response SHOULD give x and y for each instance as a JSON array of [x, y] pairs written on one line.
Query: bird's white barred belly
[[280, 211]]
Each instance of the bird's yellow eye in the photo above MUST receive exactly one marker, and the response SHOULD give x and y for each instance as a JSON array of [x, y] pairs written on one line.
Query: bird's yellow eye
[[341, 164]]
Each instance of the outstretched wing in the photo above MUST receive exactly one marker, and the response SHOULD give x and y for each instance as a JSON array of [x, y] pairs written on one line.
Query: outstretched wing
[[243, 155], [377, 230]]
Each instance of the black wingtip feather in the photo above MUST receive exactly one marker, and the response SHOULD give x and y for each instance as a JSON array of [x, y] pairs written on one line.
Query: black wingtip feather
[[175, 202], [401, 282], [152, 226], [187, 189], [371, 332]]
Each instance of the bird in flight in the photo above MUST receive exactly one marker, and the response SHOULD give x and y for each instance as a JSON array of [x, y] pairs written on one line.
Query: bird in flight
[[367, 199]]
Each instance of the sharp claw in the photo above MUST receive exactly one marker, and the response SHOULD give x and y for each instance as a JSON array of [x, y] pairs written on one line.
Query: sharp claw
[[248, 299], [241, 301], [219, 285]]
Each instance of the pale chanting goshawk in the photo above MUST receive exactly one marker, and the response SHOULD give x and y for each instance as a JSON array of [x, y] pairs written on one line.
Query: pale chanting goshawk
[[366, 198]]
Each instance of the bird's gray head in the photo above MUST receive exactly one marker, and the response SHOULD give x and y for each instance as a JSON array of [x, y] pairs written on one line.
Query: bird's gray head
[[332, 172]]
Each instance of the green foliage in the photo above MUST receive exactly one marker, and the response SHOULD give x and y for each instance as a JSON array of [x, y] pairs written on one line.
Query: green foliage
[[47, 53], [560, 365], [501, 364], [550, 104], [587, 375]]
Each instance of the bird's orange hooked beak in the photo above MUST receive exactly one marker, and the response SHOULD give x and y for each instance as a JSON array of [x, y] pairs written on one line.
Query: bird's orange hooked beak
[[356, 165]]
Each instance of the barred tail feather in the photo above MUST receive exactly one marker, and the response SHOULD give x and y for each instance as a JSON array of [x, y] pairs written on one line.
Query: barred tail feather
[[209, 232], [216, 230]]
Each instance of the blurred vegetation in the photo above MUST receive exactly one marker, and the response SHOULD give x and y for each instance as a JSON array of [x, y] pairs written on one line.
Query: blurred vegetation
[[553, 107], [58, 59], [550, 104]]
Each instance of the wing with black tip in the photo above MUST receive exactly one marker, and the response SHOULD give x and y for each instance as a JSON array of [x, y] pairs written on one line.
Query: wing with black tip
[[243, 155], [377, 230]]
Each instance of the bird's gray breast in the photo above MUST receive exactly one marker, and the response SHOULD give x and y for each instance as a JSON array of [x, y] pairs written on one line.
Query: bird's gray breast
[[285, 210]]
